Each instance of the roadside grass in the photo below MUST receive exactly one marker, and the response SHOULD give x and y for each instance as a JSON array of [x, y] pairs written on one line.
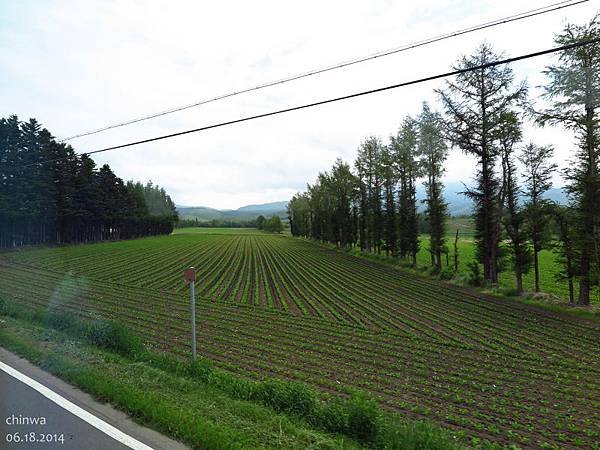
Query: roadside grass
[[198, 404]]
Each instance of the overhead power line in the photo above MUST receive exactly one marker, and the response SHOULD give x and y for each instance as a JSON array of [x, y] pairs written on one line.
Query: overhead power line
[[508, 19], [337, 99]]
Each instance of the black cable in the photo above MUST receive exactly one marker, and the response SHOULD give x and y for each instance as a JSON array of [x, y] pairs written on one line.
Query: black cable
[[514, 17], [337, 99]]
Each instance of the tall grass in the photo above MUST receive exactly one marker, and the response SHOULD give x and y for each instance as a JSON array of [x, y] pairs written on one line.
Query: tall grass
[[358, 416], [108, 334]]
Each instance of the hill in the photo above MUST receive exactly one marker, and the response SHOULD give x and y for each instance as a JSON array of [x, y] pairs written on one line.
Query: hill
[[269, 208], [458, 205], [248, 212]]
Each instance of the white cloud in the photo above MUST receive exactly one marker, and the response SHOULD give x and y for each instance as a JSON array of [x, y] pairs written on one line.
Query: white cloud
[[82, 65]]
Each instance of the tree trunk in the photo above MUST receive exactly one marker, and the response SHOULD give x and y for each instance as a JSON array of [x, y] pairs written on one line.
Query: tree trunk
[[571, 293], [519, 282], [584, 281], [456, 253], [536, 269]]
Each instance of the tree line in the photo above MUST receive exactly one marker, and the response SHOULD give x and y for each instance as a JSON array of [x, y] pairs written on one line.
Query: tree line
[[372, 204], [272, 224], [51, 195], [215, 223]]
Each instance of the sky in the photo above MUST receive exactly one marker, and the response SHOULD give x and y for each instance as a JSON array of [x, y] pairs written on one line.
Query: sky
[[78, 66]]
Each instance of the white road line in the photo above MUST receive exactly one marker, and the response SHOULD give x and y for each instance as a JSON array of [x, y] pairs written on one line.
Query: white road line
[[94, 421]]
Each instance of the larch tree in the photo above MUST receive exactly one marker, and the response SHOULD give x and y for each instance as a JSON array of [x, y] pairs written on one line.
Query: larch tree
[[390, 226], [565, 247], [404, 149], [433, 151], [367, 166], [538, 167], [343, 185], [513, 216], [474, 103], [573, 91]]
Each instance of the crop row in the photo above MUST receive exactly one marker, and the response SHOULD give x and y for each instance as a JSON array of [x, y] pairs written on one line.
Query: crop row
[[309, 280], [505, 396]]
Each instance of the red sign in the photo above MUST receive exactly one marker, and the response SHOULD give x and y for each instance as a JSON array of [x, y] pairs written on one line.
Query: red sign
[[190, 275]]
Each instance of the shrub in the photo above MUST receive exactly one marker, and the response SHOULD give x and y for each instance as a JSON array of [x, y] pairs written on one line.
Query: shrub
[[59, 321], [474, 277], [364, 418], [433, 270], [510, 292], [295, 398], [332, 417], [201, 369], [447, 274], [112, 336]]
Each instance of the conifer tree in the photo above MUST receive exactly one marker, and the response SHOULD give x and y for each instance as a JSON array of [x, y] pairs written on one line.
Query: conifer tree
[[573, 90], [404, 150], [538, 174], [474, 103], [432, 152]]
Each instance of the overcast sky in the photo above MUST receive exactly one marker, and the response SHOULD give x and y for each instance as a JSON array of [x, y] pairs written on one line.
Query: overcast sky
[[77, 66]]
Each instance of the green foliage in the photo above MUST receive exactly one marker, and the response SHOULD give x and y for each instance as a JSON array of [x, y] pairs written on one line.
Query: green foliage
[[447, 273], [476, 103], [69, 200], [358, 416], [108, 334], [59, 320], [433, 152], [272, 225], [417, 435], [112, 335], [215, 223], [332, 416], [572, 91], [201, 369], [364, 418], [295, 398], [260, 222], [474, 277]]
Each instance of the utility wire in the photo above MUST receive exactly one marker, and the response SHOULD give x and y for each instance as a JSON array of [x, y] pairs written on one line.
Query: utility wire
[[515, 17], [337, 99]]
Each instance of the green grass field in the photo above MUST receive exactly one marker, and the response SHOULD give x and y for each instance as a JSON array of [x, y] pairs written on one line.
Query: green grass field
[[549, 268], [274, 306], [464, 225]]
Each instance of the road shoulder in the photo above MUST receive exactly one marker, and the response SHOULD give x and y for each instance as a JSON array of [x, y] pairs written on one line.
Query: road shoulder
[[103, 411]]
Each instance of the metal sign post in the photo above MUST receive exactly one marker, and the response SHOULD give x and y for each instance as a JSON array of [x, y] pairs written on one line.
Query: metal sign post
[[190, 276]]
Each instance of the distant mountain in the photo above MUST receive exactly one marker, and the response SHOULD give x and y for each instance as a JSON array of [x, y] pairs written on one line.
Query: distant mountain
[[248, 212], [269, 208], [201, 212], [458, 205]]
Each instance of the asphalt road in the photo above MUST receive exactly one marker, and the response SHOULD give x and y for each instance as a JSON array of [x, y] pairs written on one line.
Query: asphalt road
[[17, 400], [65, 429]]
